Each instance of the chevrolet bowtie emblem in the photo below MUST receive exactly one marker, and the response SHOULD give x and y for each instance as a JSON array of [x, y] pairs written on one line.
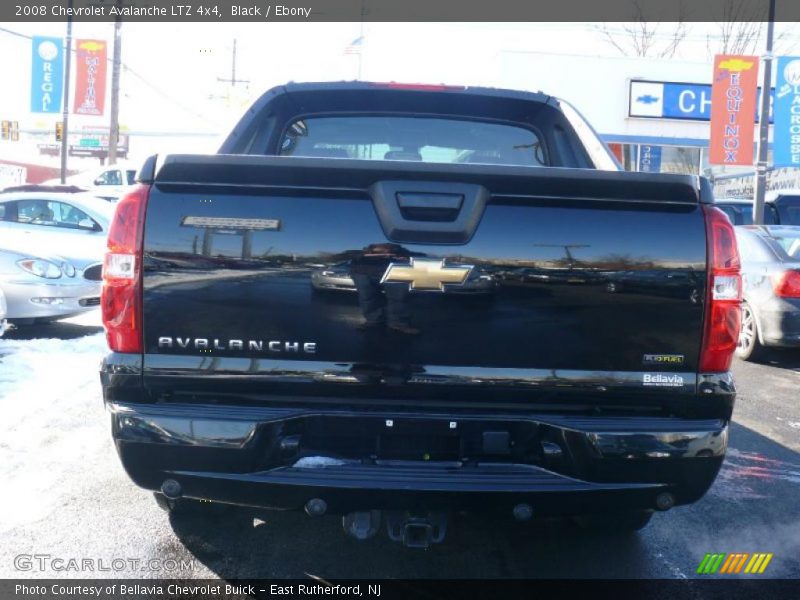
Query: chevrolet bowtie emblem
[[426, 275]]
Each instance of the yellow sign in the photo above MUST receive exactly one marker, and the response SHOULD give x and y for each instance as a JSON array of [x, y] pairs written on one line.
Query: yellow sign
[[736, 65]]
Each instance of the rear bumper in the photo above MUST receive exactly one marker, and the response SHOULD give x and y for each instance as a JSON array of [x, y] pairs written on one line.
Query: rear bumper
[[780, 323], [572, 465]]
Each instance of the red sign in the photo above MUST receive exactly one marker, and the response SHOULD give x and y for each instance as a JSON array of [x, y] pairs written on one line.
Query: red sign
[[733, 104], [90, 85]]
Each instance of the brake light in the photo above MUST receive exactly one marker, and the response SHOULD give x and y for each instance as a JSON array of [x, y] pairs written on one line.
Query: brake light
[[121, 299], [787, 284], [724, 294], [424, 87]]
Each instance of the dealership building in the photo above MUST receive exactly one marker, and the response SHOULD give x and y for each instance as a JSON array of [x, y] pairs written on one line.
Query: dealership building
[[653, 113]]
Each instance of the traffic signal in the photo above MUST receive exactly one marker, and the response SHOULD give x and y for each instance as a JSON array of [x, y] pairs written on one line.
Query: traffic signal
[[59, 131], [14, 131], [6, 127]]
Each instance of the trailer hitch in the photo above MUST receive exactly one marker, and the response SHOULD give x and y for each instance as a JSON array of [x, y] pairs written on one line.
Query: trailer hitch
[[416, 531]]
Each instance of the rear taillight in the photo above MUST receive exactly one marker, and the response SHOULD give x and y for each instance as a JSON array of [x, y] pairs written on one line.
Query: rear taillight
[[121, 300], [724, 294], [787, 284]]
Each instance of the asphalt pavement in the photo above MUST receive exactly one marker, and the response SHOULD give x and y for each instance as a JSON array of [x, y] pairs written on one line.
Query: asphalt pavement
[[69, 510]]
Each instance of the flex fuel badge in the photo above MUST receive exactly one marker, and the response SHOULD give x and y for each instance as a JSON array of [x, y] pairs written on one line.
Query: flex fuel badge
[[671, 360]]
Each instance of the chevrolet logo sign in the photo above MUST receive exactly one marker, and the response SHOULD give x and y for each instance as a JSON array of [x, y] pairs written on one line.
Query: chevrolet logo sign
[[426, 274]]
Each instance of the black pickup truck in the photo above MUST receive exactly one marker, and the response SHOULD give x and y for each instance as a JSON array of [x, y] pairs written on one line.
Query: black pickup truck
[[586, 377]]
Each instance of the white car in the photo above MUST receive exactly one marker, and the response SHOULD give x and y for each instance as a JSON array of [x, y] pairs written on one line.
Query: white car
[[40, 220], [110, 183]]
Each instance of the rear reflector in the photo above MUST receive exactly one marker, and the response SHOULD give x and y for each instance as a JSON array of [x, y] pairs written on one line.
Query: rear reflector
[[724, 295], [787, 284], [121, 299]]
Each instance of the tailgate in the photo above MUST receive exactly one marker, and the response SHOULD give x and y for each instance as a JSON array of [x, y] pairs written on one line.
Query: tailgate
[[398, 280]]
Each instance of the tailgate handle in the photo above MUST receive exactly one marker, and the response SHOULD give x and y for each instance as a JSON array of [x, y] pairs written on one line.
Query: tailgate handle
[[429, 207], [429, 211]]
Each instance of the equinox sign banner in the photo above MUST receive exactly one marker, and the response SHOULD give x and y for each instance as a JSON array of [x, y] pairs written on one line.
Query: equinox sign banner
[[47, 75], [90, 86], [733, 102]]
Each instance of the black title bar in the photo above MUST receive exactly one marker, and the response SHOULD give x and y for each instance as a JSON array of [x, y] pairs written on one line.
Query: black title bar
[[259, 11]]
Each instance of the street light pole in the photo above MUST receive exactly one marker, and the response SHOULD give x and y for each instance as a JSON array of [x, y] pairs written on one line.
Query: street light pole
[[65, 114], [113, 130], [763, 124]]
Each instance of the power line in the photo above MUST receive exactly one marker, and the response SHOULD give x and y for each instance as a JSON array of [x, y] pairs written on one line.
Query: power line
[[128, 69]]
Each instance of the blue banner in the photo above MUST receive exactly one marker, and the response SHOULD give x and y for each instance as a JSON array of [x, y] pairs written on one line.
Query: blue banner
[[649, 158], [786, 132], [47, 74]]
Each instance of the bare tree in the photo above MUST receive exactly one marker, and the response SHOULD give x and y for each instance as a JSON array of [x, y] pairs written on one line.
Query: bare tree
[[740, 28], [641, 37]]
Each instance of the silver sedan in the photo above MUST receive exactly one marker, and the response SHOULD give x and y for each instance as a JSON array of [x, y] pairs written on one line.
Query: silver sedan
[[771, 288], [46, 288]]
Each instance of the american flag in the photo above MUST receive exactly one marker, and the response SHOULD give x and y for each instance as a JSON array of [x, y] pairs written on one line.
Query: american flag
[[355, 46]]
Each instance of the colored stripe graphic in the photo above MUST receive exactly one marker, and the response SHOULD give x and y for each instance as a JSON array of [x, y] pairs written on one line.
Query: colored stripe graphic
[[727, 566], [734, 563], [767, 558]]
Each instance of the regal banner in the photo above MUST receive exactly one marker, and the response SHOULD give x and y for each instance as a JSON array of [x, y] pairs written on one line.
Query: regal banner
[[90, 78], [733, 104], [47, 74]]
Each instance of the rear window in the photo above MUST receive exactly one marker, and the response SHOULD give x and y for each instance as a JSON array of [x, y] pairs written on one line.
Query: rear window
[[420, 139], [788, 243]]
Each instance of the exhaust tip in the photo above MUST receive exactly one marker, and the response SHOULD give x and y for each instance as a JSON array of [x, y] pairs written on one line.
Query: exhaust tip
[[665, 501], [171, 489], [316, 507]]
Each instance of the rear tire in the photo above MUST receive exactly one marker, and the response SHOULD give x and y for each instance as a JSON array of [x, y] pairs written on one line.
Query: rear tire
[[615, 522], [748, 346]]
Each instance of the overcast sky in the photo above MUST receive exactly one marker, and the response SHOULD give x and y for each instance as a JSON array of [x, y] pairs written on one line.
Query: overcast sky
[[172, 69]]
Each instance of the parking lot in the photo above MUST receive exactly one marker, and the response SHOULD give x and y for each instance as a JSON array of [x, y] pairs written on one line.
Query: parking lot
[[67, 497]]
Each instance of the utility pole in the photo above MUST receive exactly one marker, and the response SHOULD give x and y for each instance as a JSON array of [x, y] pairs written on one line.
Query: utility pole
[[113, 130], [65, 114], [763, 124], [233, 81]]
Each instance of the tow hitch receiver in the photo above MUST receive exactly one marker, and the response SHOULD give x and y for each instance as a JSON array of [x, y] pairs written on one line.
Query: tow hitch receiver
[[416, 531]]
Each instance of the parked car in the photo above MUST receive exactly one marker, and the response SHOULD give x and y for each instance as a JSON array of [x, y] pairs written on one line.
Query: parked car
[[46, 287], [109, 182], [55, 220], [780, 207], [243, 391], [3, 311], [771, 281]]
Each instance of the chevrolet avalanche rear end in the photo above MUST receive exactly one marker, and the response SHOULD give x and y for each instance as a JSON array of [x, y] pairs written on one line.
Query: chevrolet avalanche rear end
[[587, 377]]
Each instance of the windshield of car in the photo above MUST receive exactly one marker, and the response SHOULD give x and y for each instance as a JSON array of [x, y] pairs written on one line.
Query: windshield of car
[[420, 139], [742, 213]]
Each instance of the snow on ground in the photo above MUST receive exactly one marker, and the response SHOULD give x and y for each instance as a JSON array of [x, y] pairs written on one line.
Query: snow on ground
[[53, 418]]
